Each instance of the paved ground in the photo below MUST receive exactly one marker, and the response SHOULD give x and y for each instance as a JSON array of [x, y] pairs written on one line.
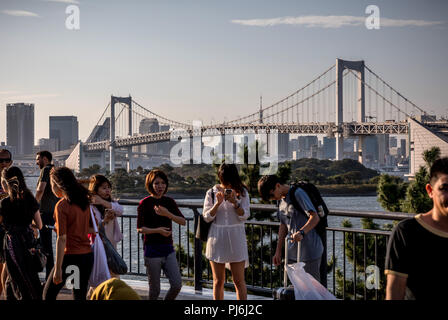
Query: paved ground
[[187, 293]]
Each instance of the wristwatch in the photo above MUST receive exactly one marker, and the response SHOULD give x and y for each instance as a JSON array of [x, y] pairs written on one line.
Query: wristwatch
[[238, 206], [302, 233]]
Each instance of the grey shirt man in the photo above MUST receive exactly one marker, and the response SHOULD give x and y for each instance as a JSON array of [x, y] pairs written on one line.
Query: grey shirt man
[[311, 245]]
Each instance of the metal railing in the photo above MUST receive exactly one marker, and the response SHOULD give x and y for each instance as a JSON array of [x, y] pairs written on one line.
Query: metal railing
[[364, 249]]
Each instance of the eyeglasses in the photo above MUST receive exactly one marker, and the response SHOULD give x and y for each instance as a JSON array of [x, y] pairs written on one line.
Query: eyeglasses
[[5, 160]]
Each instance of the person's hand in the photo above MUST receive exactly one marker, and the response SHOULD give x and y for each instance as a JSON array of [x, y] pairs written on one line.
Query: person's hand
[[219, 197], [232, 197], [96, 199], [296, 237], [277, 258], [162, 211], [57, 276], [36, 232], [110, 215], [166, 232]]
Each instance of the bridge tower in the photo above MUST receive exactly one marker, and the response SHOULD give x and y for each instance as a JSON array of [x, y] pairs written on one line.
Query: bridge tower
[[113, 101], [357, 66]]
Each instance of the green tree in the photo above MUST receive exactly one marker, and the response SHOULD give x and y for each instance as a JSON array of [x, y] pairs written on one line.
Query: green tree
[[414, 199], [391, 192]]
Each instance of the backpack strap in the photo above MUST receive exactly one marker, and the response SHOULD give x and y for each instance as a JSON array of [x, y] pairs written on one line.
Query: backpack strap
[[293, 199], [213, 195]]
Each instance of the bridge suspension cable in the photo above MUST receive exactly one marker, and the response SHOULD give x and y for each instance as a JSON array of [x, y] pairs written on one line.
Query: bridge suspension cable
[[392, 89], [380, 95], [167, 121], [276, 105]]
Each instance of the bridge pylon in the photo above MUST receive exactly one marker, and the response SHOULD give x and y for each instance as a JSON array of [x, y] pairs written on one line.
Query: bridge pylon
[[357, 66], [113, 101]]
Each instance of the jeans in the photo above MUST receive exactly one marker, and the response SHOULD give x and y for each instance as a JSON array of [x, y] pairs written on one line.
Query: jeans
[[46, 241], [85, 264], [171, 270]]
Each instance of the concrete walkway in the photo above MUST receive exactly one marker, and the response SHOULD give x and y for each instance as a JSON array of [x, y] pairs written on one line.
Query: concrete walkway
[[187, 292]]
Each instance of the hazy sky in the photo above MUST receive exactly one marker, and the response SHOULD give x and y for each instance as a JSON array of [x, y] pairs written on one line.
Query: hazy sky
[[206, 60]]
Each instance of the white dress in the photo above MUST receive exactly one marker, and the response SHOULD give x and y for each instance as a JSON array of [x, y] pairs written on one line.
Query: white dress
[[226, 241]]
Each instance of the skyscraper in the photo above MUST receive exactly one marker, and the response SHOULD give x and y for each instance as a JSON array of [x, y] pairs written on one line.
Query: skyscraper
[[20, 126], [65, 130], [149, 125]]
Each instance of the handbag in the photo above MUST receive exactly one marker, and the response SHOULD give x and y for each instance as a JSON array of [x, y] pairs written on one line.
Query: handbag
[[114, 260], [100, 270], [203, 226]]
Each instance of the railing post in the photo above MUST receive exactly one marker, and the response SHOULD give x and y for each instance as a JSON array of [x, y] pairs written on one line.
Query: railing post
[[197, 255], [323, 262]]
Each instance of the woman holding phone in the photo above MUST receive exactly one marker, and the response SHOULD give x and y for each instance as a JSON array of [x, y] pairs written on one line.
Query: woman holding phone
[[227, 205]]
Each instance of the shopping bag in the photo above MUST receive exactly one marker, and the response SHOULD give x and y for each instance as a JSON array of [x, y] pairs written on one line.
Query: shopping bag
[[306, 287], [114, 260], [100, 271]]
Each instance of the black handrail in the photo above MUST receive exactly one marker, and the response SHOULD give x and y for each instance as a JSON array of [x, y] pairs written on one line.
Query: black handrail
[[199, 280]]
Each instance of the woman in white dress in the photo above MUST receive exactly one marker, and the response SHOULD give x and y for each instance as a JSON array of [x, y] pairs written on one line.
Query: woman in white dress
[[227, 205]]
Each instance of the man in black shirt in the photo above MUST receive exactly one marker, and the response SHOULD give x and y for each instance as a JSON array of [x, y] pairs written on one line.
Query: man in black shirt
[[417, 253], [47, 200]]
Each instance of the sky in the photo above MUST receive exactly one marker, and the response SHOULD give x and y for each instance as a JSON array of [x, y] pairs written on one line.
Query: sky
[[208, 60]]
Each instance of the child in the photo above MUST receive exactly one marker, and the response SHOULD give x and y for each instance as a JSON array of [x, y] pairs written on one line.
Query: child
[[155, 216]]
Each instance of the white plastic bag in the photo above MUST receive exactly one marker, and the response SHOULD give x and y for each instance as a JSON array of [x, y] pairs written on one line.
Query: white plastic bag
[[306, 287], [100, 270]]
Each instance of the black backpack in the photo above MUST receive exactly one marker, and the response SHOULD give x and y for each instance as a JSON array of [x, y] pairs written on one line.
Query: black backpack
[[315, 197]]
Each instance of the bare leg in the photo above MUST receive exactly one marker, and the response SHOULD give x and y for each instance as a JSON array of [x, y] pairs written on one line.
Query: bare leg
[[237, 269], [219, 274]]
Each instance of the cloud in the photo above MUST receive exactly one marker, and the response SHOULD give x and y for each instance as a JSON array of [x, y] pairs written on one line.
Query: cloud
[[20, 13], [63, 1], [2, 93], [332, 22], [31, 96]]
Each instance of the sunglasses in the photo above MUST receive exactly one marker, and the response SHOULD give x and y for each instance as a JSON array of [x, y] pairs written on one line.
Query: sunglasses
[[5, 160]]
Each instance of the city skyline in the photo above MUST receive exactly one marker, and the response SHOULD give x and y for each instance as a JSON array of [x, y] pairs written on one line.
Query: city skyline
[[180, 59]]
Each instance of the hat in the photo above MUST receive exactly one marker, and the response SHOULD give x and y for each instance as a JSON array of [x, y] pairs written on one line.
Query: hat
[[114, 289]]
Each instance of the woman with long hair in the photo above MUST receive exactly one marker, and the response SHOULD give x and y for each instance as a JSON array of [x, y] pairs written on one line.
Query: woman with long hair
[[17, 212], [73, 224], [106, 210], [227, 205], [155, 216]]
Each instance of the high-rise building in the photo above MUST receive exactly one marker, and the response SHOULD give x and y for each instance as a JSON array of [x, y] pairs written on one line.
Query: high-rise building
[[329, 146], [20, 126], [100, 132], [305, 144], [48, 144], [283, 145], [149, 125], [392, 142], [65, 130]]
